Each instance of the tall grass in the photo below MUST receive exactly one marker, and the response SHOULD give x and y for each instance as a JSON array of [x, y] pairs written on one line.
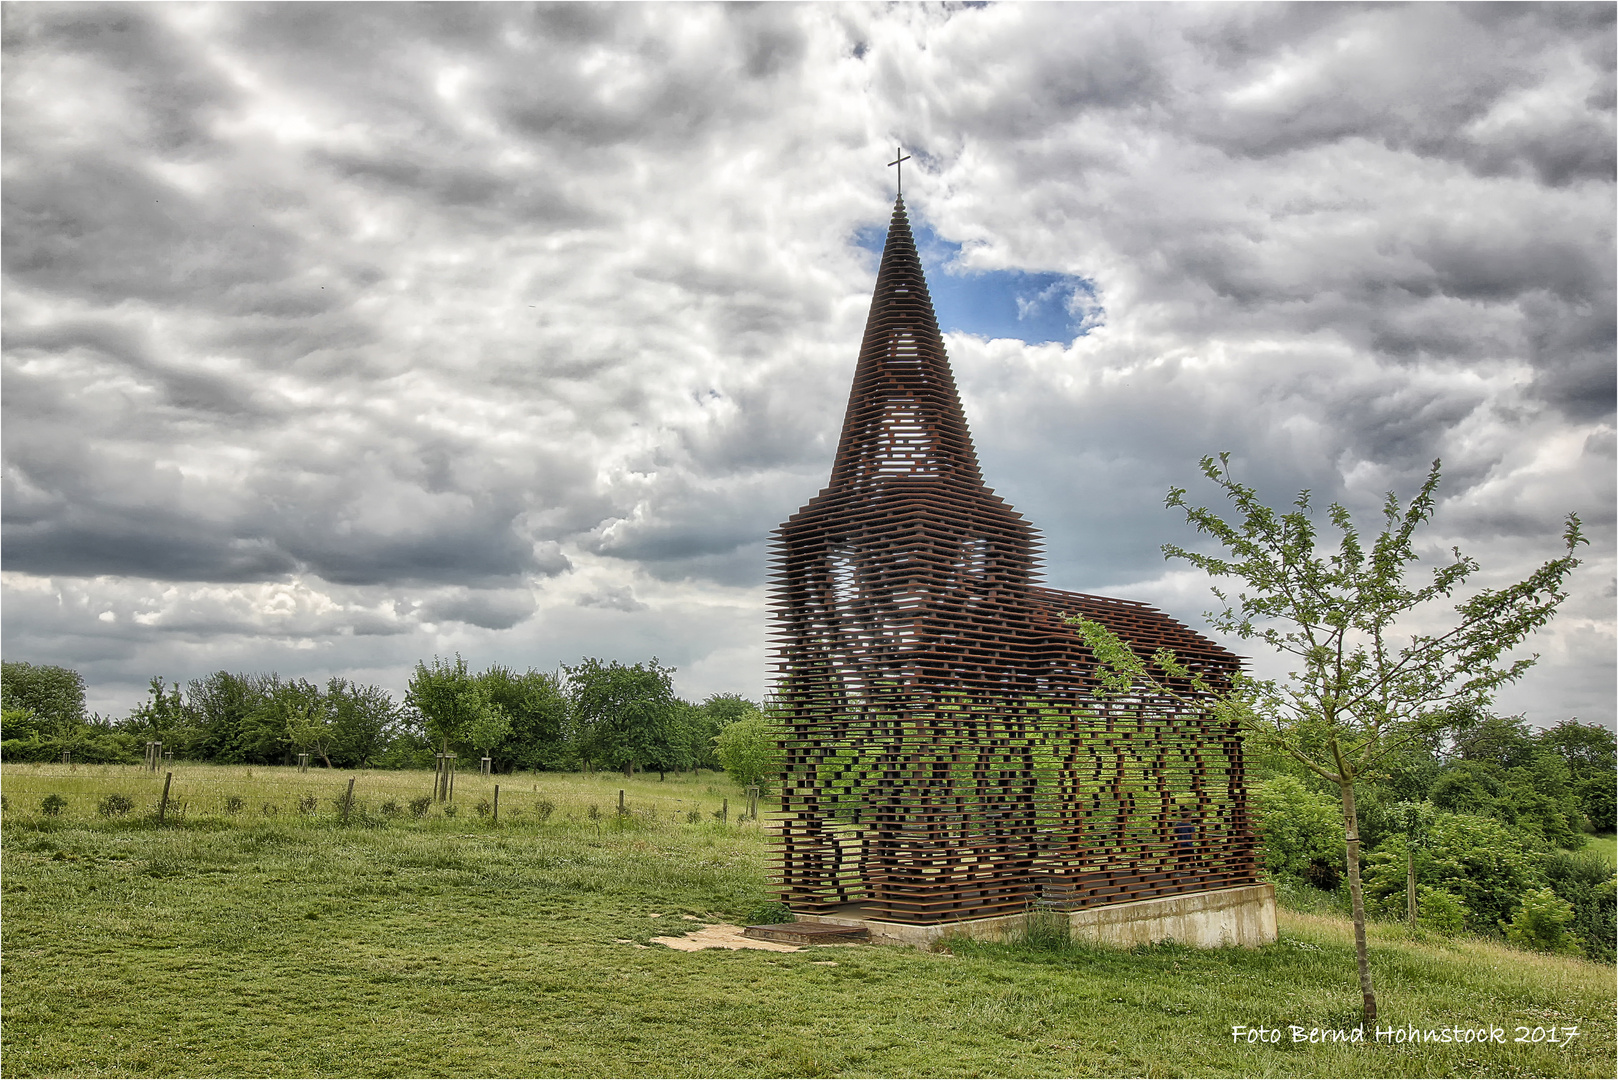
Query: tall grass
[[240, 793]]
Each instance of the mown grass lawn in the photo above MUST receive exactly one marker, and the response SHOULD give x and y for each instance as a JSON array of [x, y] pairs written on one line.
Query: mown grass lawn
[[289, 945]]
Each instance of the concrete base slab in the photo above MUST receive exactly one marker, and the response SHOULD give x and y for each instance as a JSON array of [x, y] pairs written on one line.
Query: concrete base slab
[[1217, 918]]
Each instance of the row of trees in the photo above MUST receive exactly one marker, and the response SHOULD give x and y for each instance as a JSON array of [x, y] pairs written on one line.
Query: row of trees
[[596, 714]]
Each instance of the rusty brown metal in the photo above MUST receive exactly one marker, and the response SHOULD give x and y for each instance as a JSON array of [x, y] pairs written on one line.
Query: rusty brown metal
[[946, 755]]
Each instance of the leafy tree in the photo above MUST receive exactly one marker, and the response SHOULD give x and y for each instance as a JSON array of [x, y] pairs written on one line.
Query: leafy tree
[[163, 716], [304, 714], [623, 715], [449, 700], [487, 724], [536, 709], [364, 719], [229, 710], [39, 700], [1483, 862], [750, 749], [1588, 750], [1356, 696]]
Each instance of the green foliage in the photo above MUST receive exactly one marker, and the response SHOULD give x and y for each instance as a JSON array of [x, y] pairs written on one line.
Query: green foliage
[[536, 710], [1298, 827], [455, 707], [1505, 770], [363, 721], [1541, 923], [1585, 880], [1589, 752], [749, 749], [52, 805], [625, 716], [1439, 910], [1481, 861], [39, 700]]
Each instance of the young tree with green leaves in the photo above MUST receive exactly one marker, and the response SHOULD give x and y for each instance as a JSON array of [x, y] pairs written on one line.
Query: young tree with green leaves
[[749, 748], [449, 700], [1357, 695]]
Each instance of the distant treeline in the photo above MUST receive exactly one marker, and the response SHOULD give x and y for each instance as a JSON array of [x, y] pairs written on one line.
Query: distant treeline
[[595, 714]]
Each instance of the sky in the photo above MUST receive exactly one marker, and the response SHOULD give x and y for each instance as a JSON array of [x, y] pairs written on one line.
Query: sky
[[341, 337]]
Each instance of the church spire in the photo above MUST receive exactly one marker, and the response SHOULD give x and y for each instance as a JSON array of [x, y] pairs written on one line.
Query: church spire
[[904, 418]]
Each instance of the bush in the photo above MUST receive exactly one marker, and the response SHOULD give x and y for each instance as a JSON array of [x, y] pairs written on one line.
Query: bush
[[115, 805], [1485, 864], [52, 805], [1585, 880], [1299, 828], [1541, 923], [390, 808], [768, 913], [483, 808], [450, 810], [234, 804], [419, 805], [1439, 911], [307, 804], [543, 809]]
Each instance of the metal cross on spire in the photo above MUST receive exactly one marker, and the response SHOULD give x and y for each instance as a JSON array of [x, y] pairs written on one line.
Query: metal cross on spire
[[900, 157]]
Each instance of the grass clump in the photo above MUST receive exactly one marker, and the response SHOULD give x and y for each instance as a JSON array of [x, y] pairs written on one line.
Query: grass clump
[[115, 805]]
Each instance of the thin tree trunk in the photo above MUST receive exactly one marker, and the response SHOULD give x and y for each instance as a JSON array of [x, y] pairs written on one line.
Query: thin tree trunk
[[1410, 886], [1351, 824]]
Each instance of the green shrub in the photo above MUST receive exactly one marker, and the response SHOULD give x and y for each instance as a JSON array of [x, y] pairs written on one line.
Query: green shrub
[[1585, 880], [390, 807], [1298, 827], [1439, 911], [450, 810], [1541, 923], [234, 804], [543, 809], [419, 805], [52, 805], [115, 805], [483, 808]]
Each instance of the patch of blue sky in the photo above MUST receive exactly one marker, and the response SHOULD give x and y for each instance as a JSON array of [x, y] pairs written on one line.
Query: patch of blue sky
[[1033, 307]]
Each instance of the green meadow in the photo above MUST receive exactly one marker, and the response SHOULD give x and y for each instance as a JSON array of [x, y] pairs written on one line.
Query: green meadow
[[253, 933]]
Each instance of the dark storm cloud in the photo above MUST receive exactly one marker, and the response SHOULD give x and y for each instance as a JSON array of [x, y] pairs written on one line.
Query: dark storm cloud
[[341, 335]]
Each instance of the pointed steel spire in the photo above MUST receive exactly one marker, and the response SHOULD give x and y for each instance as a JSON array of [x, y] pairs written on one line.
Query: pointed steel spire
[[904, 416]]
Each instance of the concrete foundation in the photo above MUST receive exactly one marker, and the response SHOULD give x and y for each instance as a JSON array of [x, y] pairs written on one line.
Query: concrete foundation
[[1208, 920]]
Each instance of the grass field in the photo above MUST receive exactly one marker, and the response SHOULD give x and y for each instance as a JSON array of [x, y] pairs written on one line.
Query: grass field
[[287, 944]]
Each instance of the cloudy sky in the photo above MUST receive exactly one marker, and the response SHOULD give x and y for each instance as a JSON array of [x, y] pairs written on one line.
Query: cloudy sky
[[339, 336]]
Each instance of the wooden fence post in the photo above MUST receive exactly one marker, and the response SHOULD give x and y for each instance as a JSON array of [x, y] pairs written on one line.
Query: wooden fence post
[[724, 810], [163, 807], [348, 799], [497, 804], [621, 802]]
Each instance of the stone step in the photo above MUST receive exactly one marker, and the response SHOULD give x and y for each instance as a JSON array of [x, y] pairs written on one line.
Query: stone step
[[808, 933]]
